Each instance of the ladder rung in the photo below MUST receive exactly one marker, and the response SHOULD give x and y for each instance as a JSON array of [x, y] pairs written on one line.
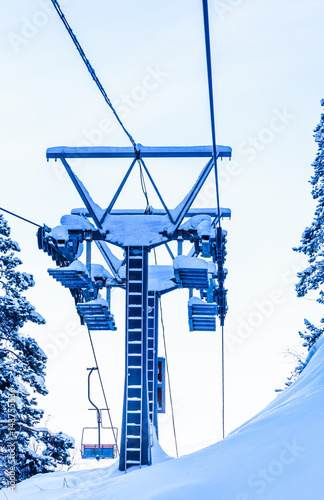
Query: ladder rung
[[133, 449], [138, 367], [134, 387], [134, 462]]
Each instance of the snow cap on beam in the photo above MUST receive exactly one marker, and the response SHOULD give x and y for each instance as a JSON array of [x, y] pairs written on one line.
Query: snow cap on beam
[[145, 151]]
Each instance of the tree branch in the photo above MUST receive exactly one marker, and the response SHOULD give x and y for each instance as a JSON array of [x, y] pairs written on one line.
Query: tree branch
[[27, 427], [12, 352]]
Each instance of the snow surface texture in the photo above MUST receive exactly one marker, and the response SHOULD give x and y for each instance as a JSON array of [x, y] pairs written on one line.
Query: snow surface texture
[[97, 271], [76, 266], [123, 230], [185, 262], [160, 278], [99, 301], [141, 230], [277, 455]]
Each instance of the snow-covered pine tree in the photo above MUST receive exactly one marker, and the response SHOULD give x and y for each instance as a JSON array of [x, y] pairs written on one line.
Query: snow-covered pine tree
[[22, 373], [312, 242]]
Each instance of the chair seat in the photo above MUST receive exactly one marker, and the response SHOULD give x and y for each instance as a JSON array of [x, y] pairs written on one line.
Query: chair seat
[[98, 451], [202, 315]]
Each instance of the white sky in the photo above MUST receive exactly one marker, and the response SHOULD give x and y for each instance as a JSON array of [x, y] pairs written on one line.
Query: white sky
[[268, 84]]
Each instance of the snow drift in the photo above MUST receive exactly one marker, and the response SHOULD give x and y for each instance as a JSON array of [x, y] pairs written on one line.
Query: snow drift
[[277, 455]]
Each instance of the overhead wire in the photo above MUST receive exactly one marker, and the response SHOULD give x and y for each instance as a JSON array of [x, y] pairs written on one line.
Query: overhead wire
[[19, 217], [92, 71], [104, 94], [167, 370], [143, 186], [223, 385], [103, 391], [211, 100], [213, 132]]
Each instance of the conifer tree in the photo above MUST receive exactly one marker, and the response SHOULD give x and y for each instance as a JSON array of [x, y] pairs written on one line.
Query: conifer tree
[[312, 242], [22, 377]]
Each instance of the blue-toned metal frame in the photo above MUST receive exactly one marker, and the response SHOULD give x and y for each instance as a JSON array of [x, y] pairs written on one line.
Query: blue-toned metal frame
[[135, 438], [143, 152]]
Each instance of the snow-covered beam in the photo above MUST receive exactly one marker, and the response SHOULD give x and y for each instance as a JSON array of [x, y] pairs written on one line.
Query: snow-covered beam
[[145, 151], [225, 212]]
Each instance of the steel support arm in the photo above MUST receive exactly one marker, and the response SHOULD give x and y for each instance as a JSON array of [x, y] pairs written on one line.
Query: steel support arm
[[82, 192]]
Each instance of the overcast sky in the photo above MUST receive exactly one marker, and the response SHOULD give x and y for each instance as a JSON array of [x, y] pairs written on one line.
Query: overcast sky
[[150, 57]]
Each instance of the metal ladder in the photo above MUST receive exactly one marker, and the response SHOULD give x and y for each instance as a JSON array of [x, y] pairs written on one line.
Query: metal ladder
[[153, 315], [135, 444]]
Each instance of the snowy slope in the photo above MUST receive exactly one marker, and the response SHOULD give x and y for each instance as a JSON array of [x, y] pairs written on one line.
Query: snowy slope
[[277, 455]]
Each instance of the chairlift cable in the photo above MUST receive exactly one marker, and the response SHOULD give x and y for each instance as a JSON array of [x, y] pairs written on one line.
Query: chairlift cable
[[167, 370], [92, 72], [143, 186], [169, 381], [19, 217], [211, 101], [223, 385], [213, 132], [103, 391], [104, 94]]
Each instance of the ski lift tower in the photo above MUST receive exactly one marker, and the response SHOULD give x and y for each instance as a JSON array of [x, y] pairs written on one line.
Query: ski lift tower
[[139, 231]]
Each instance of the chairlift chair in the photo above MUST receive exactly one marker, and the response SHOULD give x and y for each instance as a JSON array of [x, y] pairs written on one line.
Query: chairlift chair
[[192, 272], [96, 314], [98, 450], [70, 278], [202, 315]]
